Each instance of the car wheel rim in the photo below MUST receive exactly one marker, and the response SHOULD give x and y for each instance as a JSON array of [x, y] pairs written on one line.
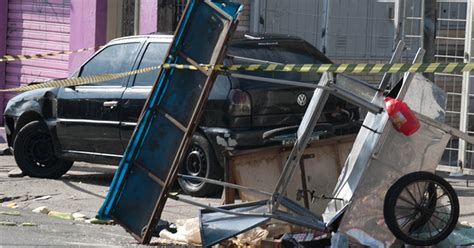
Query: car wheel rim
[[423, 210], [40, 151], [196, 164]]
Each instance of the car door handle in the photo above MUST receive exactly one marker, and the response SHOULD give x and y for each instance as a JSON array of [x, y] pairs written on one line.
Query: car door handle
[[110, 104]]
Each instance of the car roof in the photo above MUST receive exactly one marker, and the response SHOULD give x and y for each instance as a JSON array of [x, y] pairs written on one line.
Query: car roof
[[245, 38]]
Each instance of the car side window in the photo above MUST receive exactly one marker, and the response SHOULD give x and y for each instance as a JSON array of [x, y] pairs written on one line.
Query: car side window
[[154, 55], [221, 88], [112, 59]]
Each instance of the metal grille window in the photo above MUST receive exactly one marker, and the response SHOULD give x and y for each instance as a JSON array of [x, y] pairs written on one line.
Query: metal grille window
[[450, 37]]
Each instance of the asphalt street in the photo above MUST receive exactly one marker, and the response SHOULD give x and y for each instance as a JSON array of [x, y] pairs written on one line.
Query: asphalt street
[[82, 190]]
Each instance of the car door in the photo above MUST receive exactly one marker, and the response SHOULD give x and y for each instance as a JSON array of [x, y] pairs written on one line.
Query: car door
[[88, 116], [135, 95]]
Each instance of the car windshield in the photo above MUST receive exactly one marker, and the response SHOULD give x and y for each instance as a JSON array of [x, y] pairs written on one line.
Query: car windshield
[[296, 52]]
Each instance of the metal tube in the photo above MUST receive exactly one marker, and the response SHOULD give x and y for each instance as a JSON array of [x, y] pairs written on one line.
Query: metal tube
[[463, 121], [348, 96], [254, 16], [225, 184], [304, 132], [225, 211], [408, 76], [397, 54], [446, 128], [281, 81], [136, 18]]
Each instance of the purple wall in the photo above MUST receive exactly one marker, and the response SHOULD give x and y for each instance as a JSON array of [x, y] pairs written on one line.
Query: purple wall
[[3, 48], [88, 28], [148, 16]]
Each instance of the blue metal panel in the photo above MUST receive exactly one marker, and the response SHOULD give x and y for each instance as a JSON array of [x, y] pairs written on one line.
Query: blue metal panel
[[140, 186]]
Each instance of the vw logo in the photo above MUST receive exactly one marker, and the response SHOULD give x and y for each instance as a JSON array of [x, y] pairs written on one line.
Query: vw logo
[[301, 99]]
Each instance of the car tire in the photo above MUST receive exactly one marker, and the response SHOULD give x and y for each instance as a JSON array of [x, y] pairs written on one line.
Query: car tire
[[34, 152], [200, 161]]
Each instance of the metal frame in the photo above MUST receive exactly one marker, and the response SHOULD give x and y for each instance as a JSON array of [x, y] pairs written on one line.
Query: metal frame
[[295, 213]]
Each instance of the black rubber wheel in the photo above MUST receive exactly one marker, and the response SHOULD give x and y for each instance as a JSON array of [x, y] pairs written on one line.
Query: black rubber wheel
[[421, 209], [34, 153], [200, 161]]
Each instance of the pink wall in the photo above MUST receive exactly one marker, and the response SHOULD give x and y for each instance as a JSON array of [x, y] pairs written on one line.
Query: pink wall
[[148, 16], [3, 48], [88, 28]]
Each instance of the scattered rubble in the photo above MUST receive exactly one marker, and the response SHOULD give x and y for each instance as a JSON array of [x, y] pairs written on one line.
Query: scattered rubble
[[187, 231], [41, 210], [41, 198], [7, 223], [28, 224], [15, 213], [12, 205], [100, 222], [79, 217], [16, 173], [62, 215]]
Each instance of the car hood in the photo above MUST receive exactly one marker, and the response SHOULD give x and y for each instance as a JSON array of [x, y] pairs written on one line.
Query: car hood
[[29, 100]]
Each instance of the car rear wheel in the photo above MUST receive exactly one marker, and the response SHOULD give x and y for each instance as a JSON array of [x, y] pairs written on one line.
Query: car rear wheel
[[200, 161], [34, 153]]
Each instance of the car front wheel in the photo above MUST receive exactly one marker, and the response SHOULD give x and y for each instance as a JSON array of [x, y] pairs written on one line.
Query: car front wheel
[[34, 153], [200, 161]]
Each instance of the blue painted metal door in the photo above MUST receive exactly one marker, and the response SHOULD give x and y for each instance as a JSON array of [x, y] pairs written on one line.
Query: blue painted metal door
[[149, 166]]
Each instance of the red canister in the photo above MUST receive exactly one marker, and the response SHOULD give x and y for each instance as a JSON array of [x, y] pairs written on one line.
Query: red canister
[[401, 116]]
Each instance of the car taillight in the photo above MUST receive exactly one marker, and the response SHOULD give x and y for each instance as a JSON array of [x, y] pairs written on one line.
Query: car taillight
[[240, 103]]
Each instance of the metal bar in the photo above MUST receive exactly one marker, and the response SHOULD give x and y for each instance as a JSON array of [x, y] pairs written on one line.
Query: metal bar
[[318, 225], [194, 63], [225, 184], [408, 77], [253, 60], [305, 129], [303, 183], [215, 209], [354, 99], [149, 173], [172, 120], [333, 88], [397, 54], [446, 128], [281, 81], [463, 121]]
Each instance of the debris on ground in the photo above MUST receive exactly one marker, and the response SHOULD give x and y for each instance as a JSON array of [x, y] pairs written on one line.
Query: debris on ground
[[46, 197], [28, 224], [62, 215], [7, 223], [100, 222], [251, 238], [11, 205], [15, 213], [16, 173], [463, 235], [187, 231], [308, 239], [5, 152], [79, 217], [41, 210]]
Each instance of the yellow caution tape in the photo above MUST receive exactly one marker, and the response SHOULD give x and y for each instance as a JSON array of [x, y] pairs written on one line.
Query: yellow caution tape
[[6, 58], [80, 80], [300, 68]]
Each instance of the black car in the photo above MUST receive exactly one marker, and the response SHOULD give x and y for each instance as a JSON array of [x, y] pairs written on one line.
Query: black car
[[48, 129]]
